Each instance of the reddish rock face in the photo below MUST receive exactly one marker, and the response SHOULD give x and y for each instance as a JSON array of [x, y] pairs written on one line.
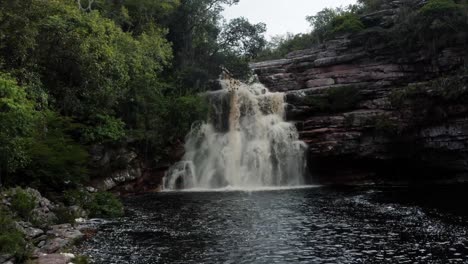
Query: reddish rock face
[[340, 96]]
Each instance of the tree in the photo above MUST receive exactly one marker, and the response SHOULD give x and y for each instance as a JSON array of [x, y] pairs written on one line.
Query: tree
[[242, 38], [321, 23], [57, 160], [17, 122]]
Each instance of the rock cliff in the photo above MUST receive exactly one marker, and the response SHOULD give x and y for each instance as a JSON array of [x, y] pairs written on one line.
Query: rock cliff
[[122, 169], [373, 113]]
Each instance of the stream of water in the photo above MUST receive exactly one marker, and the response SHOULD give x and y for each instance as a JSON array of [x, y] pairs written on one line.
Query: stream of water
[[308, 225], [246, 143]]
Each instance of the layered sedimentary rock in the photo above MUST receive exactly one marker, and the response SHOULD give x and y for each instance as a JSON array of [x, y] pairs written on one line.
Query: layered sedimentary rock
[[122, 169], [371, 113]]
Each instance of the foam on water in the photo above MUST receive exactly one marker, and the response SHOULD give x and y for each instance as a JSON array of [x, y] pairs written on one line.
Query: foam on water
[[246, 144], [246, 189]]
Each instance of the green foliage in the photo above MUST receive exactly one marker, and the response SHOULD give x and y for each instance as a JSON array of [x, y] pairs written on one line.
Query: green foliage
[[371, 5], [242, 38], [57, 159], [100, 204], [183, 112], [336, 99], [77, 197], [107, 72], [448, 90], [64, 215], [17, 120], [17, 32], [105, 128], [439, 23], [439, 8], [135, 15], [22, 203], [152, 129], [347, 23], [430, 102], [280, 46], [12, 241], [105, 205], [326, 24], [81, 260], [383, 124]]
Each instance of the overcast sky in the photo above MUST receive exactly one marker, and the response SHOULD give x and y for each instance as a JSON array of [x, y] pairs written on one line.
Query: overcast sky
[[281, 16]]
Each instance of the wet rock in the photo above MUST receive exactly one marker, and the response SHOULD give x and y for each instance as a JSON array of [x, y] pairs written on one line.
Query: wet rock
[[372, 136], [54, 245], [32, 232], [5, 258], [65, 231], [60, 236], [54, 258], [77, 211]]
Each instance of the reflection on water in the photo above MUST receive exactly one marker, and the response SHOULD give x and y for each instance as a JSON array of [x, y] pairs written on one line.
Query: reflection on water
[[317, 225]]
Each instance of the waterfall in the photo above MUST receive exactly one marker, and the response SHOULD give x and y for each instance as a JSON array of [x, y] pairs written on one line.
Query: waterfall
[[246, 143]]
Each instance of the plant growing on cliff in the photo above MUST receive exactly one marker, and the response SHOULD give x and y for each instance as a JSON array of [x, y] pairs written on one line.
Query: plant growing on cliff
[[385, 125], [371, 5], [337, 99], [326, 24], [430, 102], [346, 23], [12, 241], [437, 24], [22, 203]]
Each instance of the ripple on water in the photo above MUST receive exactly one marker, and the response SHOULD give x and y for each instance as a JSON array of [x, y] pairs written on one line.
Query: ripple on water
[[315, 225]]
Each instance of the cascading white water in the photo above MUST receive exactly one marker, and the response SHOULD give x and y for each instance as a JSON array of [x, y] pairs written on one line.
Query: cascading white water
[[245, 144]]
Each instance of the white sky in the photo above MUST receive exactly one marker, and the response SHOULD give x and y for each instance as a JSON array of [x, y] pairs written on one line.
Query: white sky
[[281, 16]]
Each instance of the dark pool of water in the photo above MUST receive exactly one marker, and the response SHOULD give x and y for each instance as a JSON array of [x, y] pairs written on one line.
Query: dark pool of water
[[316, 225]]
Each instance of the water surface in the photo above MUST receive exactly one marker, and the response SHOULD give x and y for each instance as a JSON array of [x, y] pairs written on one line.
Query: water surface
[[313, 225]]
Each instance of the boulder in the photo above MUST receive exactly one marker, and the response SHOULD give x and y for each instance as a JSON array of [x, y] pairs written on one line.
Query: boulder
[[54, 258]]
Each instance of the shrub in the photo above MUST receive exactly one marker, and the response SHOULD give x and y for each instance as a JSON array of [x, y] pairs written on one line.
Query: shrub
[[57, 160], [80, 260], [371, 5], [22, 203], [99, 205], [104, 128], [385, 125], [436, 25], [17, 120], [347, 23], [445, 90], [430, 102], [435, 8], [64, 215], [336, 99], [11, 240], [77, 197], [105, 205]]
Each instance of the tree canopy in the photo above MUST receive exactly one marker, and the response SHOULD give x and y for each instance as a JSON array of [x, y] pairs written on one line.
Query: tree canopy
[[84, 72]]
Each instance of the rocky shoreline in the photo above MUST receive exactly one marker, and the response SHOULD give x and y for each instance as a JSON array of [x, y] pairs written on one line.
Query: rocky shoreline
[[48, 240]]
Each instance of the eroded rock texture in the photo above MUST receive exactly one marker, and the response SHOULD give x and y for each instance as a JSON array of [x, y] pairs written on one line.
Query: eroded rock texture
[[124, 170], [374, 114]]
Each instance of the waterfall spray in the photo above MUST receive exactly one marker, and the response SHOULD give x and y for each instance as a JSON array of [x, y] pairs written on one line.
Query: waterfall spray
[[245, 144]]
